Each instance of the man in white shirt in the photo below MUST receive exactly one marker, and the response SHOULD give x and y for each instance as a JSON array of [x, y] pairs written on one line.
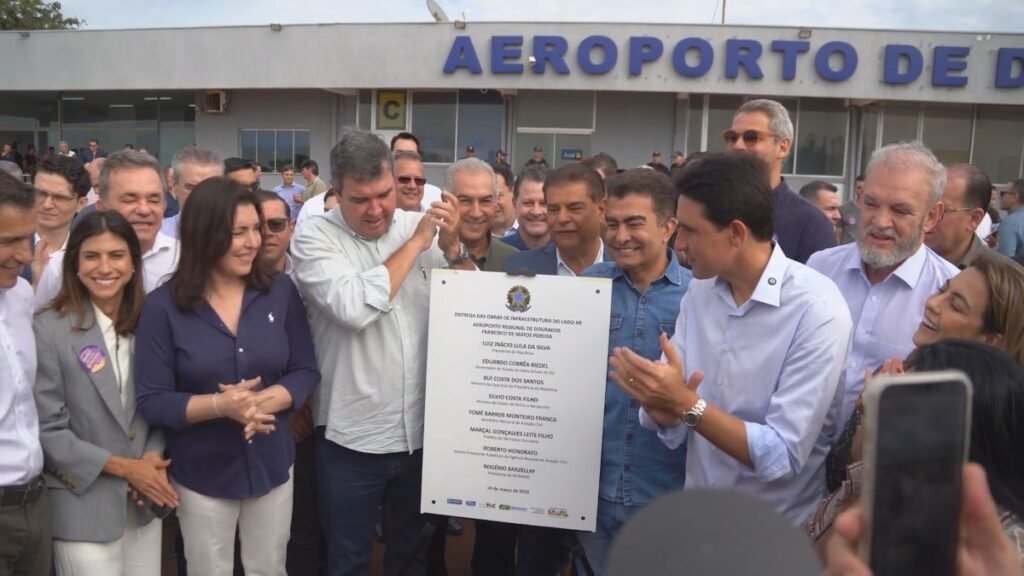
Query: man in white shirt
[[406, 141], [364, 271], [887, 275], [752, 377], [409, 180], [25, 542], [131, 184], [190, 166]]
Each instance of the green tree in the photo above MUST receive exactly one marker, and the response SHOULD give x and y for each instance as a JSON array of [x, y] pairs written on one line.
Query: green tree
[[34, 15]]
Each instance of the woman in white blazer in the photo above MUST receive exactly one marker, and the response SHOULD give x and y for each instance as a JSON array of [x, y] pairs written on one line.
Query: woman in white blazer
[[103, 465]]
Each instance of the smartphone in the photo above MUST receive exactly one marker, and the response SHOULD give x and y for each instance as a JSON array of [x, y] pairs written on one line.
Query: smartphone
[[916, 438], [160, 512]]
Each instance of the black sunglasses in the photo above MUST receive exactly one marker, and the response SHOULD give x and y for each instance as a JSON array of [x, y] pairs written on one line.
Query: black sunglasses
[[750, 137], [276, 225], [407, 179]]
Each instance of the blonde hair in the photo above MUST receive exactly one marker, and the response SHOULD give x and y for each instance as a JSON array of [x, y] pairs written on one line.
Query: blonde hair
[[1005, 313]]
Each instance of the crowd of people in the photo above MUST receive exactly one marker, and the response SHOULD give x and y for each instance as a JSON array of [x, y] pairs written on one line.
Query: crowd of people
[[255, 363]]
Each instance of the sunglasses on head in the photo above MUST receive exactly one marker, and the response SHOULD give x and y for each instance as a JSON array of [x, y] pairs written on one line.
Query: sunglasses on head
[[407, 179], [276, 225], [749, 137]]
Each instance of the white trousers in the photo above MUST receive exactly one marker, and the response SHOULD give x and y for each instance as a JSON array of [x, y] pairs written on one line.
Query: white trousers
[[136, 553], [208, 529]]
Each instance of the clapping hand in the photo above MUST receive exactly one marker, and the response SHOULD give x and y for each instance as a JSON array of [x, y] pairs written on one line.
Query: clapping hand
[[658, 386]]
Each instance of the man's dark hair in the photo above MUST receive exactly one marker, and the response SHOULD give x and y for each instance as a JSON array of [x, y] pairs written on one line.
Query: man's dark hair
[[1016, 186], [505, 172], [287, 167], [69, 168], [602, 161], [405, 136], [859, 178], [811, 189], [978, 191], [313, 167], [576, 174], [14, 192], [264, 196], [730, 187], [206, 237], [529, 174], [360, 156], [644, 182], [96, 140]]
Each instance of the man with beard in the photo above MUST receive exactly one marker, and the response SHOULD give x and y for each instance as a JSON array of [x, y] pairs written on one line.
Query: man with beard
[[888, 274]]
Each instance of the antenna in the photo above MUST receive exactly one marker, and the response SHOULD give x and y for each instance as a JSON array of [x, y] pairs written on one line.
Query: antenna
[[437, 12]]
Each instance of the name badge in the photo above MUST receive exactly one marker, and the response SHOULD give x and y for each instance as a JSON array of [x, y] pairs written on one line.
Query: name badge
[[92, 358]]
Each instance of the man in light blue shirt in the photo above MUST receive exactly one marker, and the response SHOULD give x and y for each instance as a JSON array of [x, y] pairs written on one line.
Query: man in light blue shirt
[[1011, 230], [289, 191], [887, 275], [756, 362], [647, 285]]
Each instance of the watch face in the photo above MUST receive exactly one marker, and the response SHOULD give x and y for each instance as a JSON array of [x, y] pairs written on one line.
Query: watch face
[[691, 419]]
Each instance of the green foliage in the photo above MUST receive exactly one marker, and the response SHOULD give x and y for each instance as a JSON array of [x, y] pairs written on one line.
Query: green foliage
[[34, 15]]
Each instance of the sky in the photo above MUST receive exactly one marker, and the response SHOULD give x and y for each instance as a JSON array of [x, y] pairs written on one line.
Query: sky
[[984, 15]]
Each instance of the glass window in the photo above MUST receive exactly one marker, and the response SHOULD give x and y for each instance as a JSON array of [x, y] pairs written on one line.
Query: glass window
[[110, 111], [694, 123], [899, 124], [999, 142], [365, 105], [274, 149], [481, 115], [947, 131], [20, 110], [720, 112], [869, 137], [821, 144], [433, 122], [551, 109]]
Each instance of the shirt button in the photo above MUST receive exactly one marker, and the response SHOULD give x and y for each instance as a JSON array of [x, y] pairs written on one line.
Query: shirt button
[[241, 349], [874, 298]]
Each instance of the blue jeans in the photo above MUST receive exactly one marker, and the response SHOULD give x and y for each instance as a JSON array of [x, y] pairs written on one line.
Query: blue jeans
[[351, 485], [610, 518]]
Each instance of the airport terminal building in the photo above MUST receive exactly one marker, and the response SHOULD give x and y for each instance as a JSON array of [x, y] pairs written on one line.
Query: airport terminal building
[[281, 94]]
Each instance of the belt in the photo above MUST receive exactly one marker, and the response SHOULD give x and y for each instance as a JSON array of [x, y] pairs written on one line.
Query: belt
[[23, 494]]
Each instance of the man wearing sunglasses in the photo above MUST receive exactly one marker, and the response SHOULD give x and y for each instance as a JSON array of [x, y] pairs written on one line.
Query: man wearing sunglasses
[[763, 128], [1011, 230], [409, 180]]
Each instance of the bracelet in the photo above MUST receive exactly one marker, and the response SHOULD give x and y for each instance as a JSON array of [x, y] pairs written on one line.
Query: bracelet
[[215, 410]]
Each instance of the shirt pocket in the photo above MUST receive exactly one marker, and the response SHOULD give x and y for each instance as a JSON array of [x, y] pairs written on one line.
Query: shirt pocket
[[668, 327]]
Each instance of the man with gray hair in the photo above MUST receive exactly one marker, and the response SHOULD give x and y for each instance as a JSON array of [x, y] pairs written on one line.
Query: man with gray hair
[[888, 274], [131, 184], [1011, 231], [475, 187], [190, 166], [364, 270], [763, 128]]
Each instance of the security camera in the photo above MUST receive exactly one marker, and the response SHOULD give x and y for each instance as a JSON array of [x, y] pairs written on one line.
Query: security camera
[[532, 60]]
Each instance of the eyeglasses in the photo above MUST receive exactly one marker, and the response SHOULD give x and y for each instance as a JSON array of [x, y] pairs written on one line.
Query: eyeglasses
[[406, 179], [276, 225], [42, 195], [1006, 193], [750, 137]]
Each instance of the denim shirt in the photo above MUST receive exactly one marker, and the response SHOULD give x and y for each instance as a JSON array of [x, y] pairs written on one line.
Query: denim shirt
[[636, 467]]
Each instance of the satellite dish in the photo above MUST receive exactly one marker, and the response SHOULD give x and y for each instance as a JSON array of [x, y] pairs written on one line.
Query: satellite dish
[[437, 12]]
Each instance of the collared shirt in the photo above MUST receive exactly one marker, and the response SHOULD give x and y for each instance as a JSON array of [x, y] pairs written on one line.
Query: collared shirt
[[310, 208], [21, 455], [317, 186], [120, 349], [635, 466], [800, 227], [171, 226], [776, 363], [372, 349], [180, 354], [515, 240], [886, 315], [494, 259], [563, 268], [1011, 233], [57, 254], [978, 248], [287, 193], [157, 266]]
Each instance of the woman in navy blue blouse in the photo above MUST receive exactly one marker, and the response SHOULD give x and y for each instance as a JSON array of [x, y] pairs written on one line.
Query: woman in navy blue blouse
[[223, 354]]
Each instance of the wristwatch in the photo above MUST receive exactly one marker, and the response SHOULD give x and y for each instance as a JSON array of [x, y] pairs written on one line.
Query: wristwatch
[[693, 416], [462, 257]]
